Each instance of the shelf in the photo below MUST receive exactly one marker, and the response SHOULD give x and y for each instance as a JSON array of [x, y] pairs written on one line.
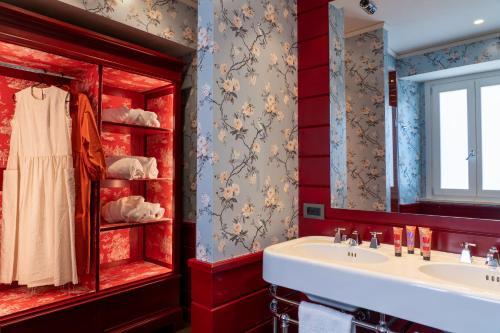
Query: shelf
[[115, 182], [126, 225], [113, 276], [109, 126], [21, 298]]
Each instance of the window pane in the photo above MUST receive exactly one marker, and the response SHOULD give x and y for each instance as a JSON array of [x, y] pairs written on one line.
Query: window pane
[[454, 139], [490, 136]]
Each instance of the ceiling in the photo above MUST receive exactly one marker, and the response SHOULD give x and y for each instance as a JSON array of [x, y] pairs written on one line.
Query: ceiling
[[420, 24]]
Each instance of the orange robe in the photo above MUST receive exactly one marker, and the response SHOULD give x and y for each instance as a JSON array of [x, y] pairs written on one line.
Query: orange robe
[[90, 165]]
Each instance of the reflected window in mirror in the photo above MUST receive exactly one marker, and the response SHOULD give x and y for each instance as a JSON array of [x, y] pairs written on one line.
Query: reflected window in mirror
[[463, 132]]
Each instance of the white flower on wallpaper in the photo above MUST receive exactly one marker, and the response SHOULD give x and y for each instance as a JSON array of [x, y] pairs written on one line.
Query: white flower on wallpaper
[[168, 19], [248, 118]]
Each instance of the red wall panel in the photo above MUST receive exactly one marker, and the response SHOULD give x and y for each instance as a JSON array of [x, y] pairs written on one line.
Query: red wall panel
[[314, 171], [313, 23], [314, 141], [314, 111], [317, 52], [313, 81]]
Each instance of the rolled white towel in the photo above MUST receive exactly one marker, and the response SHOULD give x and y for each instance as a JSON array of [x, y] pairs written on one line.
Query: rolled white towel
[[131, 209], [144, 118], [119, 210], [149, 164], [131, 116], [125, 168], [117, 115]]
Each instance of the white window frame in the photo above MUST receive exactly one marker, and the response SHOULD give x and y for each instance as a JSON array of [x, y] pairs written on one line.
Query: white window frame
[[473, 84]]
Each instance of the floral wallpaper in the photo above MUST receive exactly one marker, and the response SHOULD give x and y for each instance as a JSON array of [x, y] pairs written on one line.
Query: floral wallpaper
[[168, 19], [338, 142], [365, 109], [411, 131], [456, 56], [247, 126]]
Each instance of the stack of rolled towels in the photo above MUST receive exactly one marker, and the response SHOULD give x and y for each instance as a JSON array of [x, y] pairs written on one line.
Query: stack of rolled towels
[[131, 209], [126, 115], [132, 167]]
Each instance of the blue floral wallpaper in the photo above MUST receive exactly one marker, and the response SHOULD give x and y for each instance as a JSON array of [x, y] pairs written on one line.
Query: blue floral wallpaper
[[247, 126], [411, 131], [456, 56], [366, 133], [168, 19], [338, 143]]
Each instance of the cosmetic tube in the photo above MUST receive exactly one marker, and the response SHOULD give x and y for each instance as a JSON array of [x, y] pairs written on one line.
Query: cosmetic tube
[[410, 238], [426, 244], [420, 233], [398, 241]]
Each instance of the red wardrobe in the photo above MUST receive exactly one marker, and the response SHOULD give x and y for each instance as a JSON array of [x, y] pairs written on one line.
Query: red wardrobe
[[133, 283]]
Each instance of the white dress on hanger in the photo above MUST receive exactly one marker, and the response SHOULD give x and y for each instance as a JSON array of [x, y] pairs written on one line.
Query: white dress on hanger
[[37, 245]]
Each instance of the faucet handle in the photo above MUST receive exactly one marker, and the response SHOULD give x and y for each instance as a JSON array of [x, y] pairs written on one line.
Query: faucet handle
[[466, 257], [466, 245], [374, 243], [492, 258], [338, 235]]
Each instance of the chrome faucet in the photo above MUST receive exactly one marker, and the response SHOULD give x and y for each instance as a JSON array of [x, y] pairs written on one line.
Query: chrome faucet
[[466, 257], [374, 243], [338, 235], [355, 240], [492, 257]]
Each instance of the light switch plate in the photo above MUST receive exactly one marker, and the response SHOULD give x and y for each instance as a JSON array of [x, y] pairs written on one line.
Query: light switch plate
[[314, 211]]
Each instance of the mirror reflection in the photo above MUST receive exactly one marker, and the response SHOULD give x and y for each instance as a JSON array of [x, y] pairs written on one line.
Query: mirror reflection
[[415, 106]]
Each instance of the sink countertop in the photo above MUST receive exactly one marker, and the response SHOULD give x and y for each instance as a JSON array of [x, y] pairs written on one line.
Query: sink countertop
[[397, 286]]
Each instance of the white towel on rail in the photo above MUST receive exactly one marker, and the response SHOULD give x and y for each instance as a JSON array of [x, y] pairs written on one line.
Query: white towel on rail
[[314, 318]]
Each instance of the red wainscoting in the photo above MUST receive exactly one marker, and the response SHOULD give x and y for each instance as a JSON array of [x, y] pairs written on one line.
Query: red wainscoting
[[229, 296]]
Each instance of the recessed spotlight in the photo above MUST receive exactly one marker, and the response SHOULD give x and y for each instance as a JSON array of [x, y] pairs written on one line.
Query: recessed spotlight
[[478, 21]]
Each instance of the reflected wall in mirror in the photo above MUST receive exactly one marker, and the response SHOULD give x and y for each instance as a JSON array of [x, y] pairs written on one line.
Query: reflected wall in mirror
[[434, 150]]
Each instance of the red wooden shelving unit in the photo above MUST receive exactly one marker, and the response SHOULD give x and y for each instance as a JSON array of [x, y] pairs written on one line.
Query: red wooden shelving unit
[[138, 287]]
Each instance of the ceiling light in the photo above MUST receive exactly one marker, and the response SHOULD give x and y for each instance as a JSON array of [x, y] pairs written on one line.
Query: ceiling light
[[478, 21]]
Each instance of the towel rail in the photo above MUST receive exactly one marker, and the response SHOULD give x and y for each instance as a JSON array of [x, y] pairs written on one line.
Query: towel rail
[[284, 320]]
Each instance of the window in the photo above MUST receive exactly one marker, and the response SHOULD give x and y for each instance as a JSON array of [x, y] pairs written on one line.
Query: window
[[463, 138]]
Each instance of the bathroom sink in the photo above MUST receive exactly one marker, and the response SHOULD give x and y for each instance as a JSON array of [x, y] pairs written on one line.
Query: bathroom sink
[[485, 278], [338, 252], [442, 293]]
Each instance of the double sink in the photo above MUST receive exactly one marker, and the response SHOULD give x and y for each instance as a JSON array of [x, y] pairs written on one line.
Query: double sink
[[442, 293]]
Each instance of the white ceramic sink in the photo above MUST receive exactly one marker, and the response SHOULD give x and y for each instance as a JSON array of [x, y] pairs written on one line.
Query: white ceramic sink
[[484, 278], [338, 252], [442, 293]]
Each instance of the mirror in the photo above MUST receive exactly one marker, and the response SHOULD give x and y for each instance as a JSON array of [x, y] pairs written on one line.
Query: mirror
[[415, 106]]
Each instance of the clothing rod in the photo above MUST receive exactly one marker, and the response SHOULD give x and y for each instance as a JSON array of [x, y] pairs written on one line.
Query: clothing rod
[[36, 71]]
